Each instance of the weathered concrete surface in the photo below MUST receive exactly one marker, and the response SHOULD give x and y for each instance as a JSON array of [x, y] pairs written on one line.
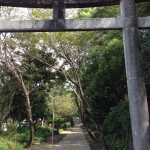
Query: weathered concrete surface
[[68, 25], [74, 141], [49, 3], [135, 79], [60, 25], [68, 3], [143, 22], [58, 10]]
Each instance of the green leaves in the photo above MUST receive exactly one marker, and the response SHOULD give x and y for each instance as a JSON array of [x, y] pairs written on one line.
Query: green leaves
[[64, 102], [41, 14], [116, 125], [143, 9], [118, 119], [86, 12], [105, 66], [101, 12]]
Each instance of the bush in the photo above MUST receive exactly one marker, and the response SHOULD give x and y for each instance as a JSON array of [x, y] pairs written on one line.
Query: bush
[[117, 123], [11, 128], [118, 118], [42, 132], [93, 127], [10, 140], [66, 125], [9, 144], [23, 137], [59, 121], [25, 129]]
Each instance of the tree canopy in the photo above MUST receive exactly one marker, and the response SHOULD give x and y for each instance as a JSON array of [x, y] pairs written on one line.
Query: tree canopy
[[77, 73]]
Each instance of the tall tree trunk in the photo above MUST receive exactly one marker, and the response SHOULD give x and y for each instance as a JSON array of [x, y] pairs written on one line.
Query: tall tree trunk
[[83, 118], [17, 74], [29, 114], [31, 125]]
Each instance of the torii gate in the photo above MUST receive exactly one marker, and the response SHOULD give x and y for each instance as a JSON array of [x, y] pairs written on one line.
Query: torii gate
[[128, 22]]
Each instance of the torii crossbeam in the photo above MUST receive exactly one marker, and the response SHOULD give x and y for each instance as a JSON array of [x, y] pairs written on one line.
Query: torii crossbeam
[[67, 3], [59, 23], [128, 22], [69, 25]]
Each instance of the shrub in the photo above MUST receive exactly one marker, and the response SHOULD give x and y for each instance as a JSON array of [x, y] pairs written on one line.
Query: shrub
[[24, 129], [59, 121], [11, 128], [9, 144], [93, 127], [23, 137], [66, 125], [118, 118], [116, 125], [42, 132]]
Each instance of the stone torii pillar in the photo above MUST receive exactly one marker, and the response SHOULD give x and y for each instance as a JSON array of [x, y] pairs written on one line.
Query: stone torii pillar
[[58, 9], [135, 80]]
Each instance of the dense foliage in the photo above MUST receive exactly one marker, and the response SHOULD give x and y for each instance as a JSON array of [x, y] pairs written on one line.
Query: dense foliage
[[69, 74]]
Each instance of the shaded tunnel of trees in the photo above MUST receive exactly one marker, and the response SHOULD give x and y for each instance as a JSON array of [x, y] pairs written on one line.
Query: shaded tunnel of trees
[[82, 70]]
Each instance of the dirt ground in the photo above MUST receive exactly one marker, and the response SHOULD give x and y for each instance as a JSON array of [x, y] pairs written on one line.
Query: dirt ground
[[93, 145], [57, 138], [43, 146], [48, 144], [96, 146]]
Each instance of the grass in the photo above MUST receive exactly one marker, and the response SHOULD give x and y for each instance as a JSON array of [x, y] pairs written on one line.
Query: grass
[[14, 140], [7, 143]]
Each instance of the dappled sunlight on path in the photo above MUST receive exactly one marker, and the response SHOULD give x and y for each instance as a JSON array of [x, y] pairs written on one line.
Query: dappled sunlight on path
[[41, 147], [75, 140]]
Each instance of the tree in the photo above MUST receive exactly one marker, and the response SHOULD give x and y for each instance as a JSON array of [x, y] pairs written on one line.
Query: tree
[[8, 57], [105, 82], [65, 48], [62, 106], [64, 102], [7, 91], [11, 61], [72, 50]]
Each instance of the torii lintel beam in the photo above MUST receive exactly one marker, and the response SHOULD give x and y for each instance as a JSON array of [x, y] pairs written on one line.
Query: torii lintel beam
[[68, 25], [67, 3]]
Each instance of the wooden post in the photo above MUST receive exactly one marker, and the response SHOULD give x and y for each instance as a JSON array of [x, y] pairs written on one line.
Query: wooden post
[[135, 80]]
